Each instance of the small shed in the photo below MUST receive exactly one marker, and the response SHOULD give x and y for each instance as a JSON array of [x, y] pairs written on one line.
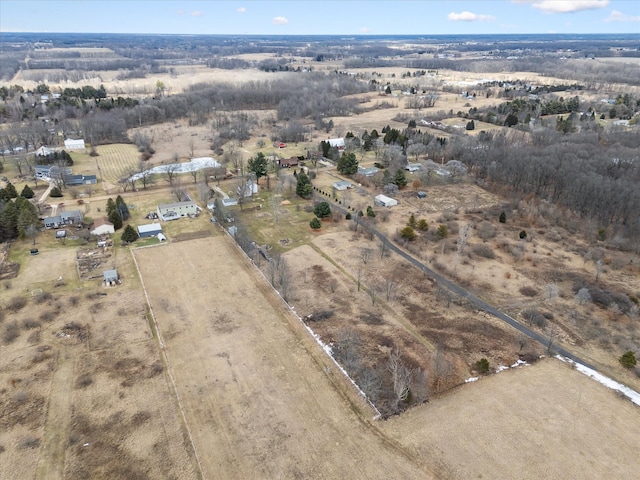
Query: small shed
[[161, 237], [384, 201], [149, 230], [422, 194], [288, 162], [110, 276], [61, 234], [367, 171], [413, 167], [229, 202], [342, 185]]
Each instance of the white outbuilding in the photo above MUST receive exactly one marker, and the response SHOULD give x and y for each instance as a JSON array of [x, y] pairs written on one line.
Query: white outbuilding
[[384, 201], [71, 144]]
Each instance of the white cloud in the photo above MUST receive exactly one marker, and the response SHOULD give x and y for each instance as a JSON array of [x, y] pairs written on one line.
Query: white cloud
[[280, 21], [365, 30], [241, 10], [197, 13], [617, 16], [469, 17], [565, 6]]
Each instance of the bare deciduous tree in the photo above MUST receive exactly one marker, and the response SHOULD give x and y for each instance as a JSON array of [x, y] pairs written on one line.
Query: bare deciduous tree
[[365, 255], [390, 286], [171, 171], [401, 377]]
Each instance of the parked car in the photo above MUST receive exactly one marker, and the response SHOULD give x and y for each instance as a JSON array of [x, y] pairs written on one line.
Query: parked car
[[34, 251]]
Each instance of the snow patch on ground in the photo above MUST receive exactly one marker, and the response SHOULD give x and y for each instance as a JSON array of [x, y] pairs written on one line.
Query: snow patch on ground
[[192, 165], [604, 380], [501, 368]]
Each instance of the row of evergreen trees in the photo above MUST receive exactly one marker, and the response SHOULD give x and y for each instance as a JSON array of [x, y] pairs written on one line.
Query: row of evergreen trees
[[18, 216]]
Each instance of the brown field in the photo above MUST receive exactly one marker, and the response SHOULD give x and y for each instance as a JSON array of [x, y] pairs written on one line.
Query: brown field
[[539, 422], [260, 398], [82, 389]]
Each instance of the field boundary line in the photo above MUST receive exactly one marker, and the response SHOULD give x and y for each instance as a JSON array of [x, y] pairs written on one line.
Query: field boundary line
[[167, 364], [325, 348], [320, 358]]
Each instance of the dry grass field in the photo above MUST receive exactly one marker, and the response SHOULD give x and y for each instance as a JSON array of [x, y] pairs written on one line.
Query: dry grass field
[[259, 396], [83, 392], [544, 421]]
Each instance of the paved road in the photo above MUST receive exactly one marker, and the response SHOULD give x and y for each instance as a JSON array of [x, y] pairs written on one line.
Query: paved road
[[477, 302]]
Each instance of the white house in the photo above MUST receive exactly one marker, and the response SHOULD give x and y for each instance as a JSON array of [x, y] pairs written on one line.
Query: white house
[[71, 144], [173, 211], [102, 226], [44, 151], [384, 201], [337, 143]]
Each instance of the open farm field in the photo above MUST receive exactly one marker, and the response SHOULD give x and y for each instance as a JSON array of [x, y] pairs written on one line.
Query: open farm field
[[83, 393], [543, 421], [114, 161], [259, 396]]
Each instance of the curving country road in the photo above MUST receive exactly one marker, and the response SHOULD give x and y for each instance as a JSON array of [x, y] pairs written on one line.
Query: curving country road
[[473, 299]]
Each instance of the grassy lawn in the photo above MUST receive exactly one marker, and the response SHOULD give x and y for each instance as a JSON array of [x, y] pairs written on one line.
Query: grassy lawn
[[292, 227]]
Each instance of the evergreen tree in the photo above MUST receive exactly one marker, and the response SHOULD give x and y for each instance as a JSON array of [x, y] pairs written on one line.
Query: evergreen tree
[[408, 233], [400, 178], [315, 223], [9, 221], [322, 210], [27, 192], [258, 165], [503, 217], [348, 164], [628, 359], [111, 206], [471, 125], [122, 208], [129, 235], [55, 192], [116, 219], [370, 212], [27, 217], [10, 190], [511, 120], [412, 221], [304, 187]]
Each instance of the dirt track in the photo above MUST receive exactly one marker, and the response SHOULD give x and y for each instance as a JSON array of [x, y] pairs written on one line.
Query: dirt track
[[260, 398]]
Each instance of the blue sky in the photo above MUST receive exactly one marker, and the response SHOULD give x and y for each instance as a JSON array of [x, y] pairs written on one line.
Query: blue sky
[[375, 17]]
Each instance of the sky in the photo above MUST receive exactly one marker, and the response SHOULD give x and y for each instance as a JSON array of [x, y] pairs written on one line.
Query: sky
[[328, 17]]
